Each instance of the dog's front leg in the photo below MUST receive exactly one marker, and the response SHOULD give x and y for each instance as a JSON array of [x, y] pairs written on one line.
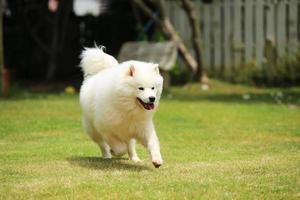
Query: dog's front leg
[[132, 151], [152, 144]]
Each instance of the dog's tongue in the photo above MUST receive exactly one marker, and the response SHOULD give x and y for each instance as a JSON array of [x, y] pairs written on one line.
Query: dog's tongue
[[149, 106]]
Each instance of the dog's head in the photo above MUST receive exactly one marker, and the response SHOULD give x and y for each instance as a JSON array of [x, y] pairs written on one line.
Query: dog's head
[[145, 84]]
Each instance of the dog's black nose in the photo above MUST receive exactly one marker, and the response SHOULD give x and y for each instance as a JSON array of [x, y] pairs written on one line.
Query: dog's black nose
[[151, 99]]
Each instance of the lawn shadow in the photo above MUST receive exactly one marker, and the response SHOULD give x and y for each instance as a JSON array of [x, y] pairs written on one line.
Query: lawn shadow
[[98, 163]]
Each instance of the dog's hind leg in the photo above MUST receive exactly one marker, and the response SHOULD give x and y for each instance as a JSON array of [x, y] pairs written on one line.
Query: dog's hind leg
[[105, 149], [118, 149], [97, 138], [132, 151]]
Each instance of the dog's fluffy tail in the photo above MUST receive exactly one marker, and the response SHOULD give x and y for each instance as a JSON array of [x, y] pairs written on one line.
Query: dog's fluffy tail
[[93, 60]]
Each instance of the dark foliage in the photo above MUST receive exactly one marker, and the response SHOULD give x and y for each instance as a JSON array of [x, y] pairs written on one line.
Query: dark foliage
[[29, 30]]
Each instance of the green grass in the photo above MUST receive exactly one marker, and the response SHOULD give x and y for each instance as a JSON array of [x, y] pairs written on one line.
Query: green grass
[[215, 145]]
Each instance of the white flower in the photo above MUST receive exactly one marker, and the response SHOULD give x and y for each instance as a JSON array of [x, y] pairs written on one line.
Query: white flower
[[246, 96], [204, 87], [279, 94]]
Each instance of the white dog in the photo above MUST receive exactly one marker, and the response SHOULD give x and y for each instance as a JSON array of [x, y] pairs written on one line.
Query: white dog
[[118, 102]]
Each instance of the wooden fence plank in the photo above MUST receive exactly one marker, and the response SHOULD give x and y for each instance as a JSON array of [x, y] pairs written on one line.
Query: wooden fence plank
[[281, 27], [185, 25], [236, 31], [270, 17], [207, 36], [217, 34], [227, 36], [200, 7], [173, 11], [168, 10], [177, 15], [259, 33], [237, 34], [248, 31], [292, 26]]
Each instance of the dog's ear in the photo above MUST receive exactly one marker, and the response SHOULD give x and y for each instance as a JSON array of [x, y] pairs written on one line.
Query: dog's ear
[[156, 68], [131, 70]]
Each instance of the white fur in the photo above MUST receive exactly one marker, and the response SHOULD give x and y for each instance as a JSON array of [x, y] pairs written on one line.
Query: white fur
[[94, 60], [112, 115]]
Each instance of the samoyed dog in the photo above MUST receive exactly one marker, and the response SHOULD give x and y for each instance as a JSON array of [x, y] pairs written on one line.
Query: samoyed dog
[[118, 102]]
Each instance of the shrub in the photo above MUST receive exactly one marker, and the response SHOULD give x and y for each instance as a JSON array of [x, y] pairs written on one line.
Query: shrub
[[283, 72]]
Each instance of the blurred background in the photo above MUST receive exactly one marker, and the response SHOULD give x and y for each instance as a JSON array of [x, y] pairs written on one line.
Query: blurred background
[[228, 121], [254, 42]]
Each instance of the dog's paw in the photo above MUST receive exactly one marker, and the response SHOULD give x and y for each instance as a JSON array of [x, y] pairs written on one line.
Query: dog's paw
[[157, 162], [108, 156], [136, 159]]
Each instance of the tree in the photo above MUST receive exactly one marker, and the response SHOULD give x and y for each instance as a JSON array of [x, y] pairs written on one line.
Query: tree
[[189, 7], [164, 23]]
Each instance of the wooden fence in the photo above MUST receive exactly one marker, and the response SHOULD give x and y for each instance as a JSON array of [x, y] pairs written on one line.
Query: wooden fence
[[238, 32]]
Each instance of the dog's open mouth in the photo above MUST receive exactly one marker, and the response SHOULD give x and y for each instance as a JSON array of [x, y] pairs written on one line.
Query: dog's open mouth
[[147, 106]]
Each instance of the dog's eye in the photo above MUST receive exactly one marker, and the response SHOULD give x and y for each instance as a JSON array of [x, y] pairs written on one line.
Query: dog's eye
[[141, 88], [152, 88]]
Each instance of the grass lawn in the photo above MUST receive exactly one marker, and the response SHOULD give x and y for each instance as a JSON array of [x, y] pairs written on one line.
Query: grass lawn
[[231, 142]]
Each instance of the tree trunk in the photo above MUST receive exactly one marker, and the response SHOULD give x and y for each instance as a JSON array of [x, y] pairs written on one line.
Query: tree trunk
[[183, 50], [169, 31], [189, 8]]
